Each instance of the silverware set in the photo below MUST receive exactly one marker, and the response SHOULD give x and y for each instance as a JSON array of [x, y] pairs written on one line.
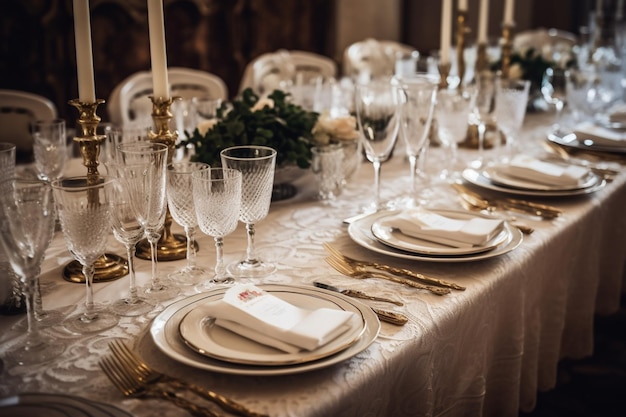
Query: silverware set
[[135, 378]]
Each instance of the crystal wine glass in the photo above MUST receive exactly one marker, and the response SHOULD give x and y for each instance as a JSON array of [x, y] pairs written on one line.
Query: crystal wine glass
[[128, 230], [217, 198], [511, 103], [554, 90], [27, 220], [420, 91], [84, 206], [181, 204], [49, 148], [142, 166], [378, 108], [483, 112], [257, 164]]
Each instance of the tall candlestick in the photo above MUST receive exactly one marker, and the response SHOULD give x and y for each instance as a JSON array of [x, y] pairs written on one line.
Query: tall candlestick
[[446, 30], [509, 5], [599, 6], [462, 5], [84, 57], [160, 84], [483, 18]]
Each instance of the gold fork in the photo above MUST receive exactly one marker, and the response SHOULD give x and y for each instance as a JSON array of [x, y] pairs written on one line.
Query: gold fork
[[146, 375], [357, 272], [131, 387], [390, 269]]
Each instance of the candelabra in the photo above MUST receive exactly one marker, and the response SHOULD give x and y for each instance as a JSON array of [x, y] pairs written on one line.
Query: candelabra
[[461, 31], [506, 48], [109, 266], [482, 63], [171, 246]]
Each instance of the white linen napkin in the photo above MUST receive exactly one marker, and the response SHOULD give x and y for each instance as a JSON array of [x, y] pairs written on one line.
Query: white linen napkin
[[529, 168], [258, 315], [600, 135], [433, 227]]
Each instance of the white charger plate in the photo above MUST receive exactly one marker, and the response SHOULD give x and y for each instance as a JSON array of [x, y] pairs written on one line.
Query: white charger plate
[[164, 333], [494, 174], [475, 177], [360, 231], [398, 240], [205, 337]]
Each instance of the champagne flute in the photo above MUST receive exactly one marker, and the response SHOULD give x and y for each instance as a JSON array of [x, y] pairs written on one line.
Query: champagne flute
[[554, 90], [482, 112], [217, 198], [378, 109], [257, 164], [27, 219], [128, 230], [180, 201], [142, 166], [511, 103], [49, 148], [84, 206], [420, 91]]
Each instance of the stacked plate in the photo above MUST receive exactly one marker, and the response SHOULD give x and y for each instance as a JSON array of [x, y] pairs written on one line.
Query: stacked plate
[[375, 232], [496, 177], [606, 136], [56, 405], [195, 340]]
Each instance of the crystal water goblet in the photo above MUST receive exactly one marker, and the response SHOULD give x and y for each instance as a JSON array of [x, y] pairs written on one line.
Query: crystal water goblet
[[27, 219], [49, 148], [217, 200], [378, 106], [128, 230], [483, 113], [180, 201], [511, 103], [84, 206], [142, 166], [9, 288], [420, 92], [257, 165], [554, 90]]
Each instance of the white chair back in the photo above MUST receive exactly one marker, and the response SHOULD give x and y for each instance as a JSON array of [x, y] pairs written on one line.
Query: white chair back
[[373, 58]]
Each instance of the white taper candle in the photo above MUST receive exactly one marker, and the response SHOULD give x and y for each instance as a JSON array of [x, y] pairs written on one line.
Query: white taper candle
[[84, 57], [160, 84], [483, 19], [446, 30]]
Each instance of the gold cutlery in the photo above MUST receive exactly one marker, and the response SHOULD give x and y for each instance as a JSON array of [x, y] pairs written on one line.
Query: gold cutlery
[[390, 316], [521, 206], [131, 387], [356, 293], [362, 273], [143, 373], [472, 205], [335, 254]]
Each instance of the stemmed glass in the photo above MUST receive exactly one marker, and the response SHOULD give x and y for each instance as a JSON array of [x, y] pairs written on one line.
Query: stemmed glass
[[142, 166], [554, 90], [257, 164], [482, 112], [27, 226], [128, 230], [180, 201], [84, 205], [378, 106], [49, 148], [217, 198], [511, 103], [420, 91]]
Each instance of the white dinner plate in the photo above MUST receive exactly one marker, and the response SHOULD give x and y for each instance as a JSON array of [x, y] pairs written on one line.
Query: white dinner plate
[[494, 174], [391, 236], [164, 332], [42, 404], [572, 141], [360, 231], [205, 337], [474, 177]]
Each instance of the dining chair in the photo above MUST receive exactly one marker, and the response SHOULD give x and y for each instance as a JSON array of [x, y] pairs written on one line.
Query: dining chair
[[373, 57], [128, 103], [17, 110], [265, 72]]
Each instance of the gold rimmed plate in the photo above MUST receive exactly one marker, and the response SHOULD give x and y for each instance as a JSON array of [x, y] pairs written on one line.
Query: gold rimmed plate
[[497, 174]]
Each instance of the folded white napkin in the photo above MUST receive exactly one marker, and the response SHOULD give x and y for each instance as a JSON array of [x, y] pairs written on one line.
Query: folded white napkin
[[258, 315], [433, 227], [600, 135], [617, 113], [529, 168]]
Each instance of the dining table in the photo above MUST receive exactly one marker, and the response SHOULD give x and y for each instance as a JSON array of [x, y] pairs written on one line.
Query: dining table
[[486, 350]]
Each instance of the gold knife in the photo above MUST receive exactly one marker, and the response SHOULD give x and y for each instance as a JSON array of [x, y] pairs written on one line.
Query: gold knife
[[356, 293]]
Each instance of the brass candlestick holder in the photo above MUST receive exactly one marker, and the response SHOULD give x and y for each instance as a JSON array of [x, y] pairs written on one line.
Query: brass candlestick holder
[[461, 31], [506, 48], [170, 247], [482, 63], [109, 266]]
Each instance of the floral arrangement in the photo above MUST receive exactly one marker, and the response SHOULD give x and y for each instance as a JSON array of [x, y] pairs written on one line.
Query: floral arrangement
[[269, 121], [530, 64]]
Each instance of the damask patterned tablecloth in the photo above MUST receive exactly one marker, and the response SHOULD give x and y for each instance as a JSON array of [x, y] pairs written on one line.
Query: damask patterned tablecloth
[[483, 351]]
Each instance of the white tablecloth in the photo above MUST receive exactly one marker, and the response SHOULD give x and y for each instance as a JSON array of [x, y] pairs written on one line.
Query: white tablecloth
[[484, 351]]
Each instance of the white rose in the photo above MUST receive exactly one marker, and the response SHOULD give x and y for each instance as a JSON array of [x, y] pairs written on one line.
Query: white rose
[[516, 72], [263, 102], [206, 125], [343, 128]]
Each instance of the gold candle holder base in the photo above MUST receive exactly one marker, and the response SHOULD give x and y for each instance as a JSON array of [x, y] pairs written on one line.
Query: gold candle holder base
[[492, 133], [110, 266], [461, 31], [482, 62], [170, 247]]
